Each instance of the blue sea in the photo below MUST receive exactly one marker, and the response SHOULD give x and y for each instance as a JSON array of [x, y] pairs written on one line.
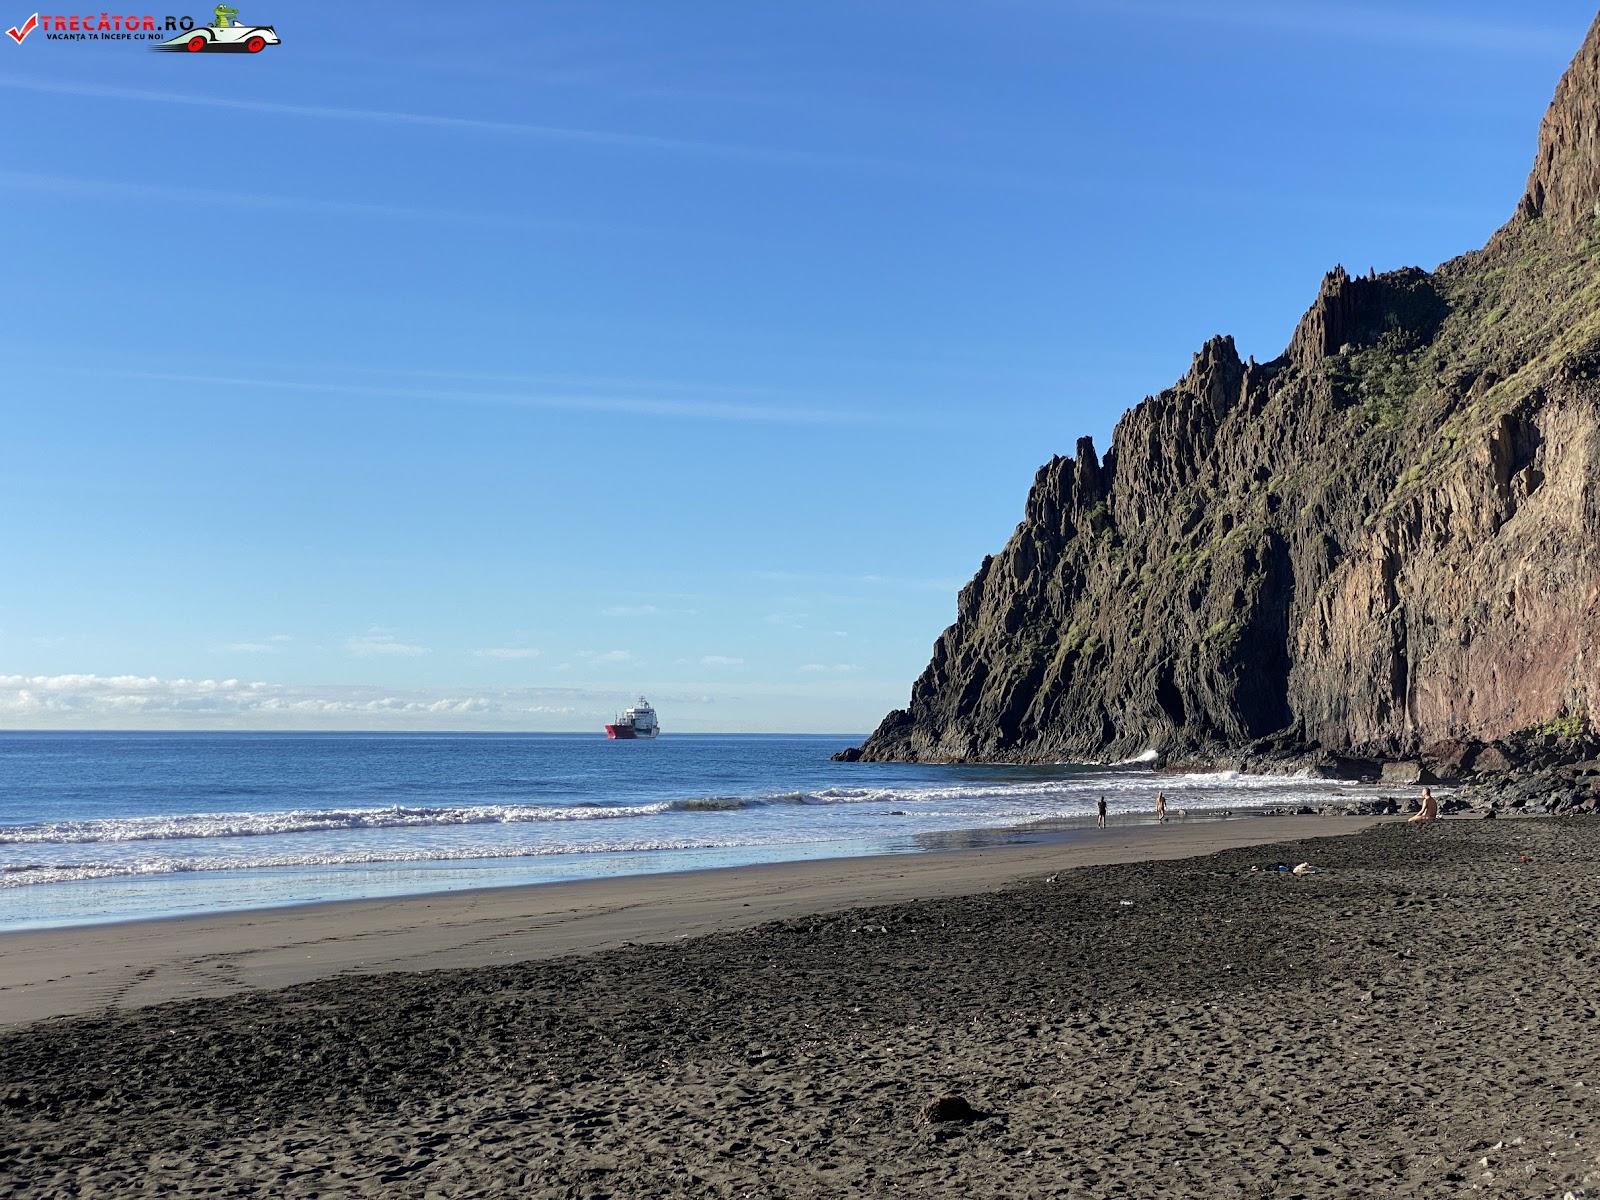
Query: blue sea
[[105, 826]]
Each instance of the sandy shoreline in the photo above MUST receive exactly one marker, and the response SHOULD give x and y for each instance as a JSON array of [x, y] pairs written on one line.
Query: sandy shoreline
[[1416, 1020], [82, 969]]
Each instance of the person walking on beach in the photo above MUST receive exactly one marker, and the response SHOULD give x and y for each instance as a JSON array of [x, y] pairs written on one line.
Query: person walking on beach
[[1161, 808], [1100, 813], [1430, 808]]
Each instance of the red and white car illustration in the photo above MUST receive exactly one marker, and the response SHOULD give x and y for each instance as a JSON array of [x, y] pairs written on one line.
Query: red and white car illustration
[[250, 39]]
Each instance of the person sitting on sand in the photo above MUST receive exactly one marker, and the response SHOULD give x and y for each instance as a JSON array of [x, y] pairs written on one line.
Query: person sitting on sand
[[1430, 808], [1161, 808], [1100, 813]]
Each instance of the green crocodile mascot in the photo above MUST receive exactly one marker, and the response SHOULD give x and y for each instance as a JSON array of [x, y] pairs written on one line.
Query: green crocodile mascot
[[225, 16]]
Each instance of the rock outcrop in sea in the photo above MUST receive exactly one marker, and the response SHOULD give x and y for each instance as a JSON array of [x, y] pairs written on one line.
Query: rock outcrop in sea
[[1384, 543]]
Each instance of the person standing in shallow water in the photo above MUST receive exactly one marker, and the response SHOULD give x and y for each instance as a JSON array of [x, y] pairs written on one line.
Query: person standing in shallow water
[[1161, 808], [1100, 813], [1430, 808]]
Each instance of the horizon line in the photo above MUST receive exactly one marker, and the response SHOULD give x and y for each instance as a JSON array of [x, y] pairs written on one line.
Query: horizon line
[[4, 730]]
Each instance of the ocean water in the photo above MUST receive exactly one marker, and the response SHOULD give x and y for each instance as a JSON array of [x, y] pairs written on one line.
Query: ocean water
[[105, 826]]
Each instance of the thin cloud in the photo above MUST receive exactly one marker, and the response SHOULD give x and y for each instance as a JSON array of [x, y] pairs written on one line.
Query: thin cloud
[[644, 610], [1385, 26], [603, 387], [556, 133], [509, 653], [606, 656], [721, 660], [869, 580], [601, 138], [612, 383], [249, 648], [996, 374], [829, 668], [67, 185], [707, 410], [380, 643]]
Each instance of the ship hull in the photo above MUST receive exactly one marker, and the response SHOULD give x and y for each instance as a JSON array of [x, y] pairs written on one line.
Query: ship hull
[[637, 721]]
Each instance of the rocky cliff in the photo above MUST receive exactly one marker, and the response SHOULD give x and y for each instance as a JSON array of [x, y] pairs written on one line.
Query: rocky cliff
[[1385, 538]]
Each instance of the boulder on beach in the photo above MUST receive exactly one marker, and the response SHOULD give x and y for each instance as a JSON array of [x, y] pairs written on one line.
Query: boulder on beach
[[949, 1108], [1491, 760], [1406, 772]]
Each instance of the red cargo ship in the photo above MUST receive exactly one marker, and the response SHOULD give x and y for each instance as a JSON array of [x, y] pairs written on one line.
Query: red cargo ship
[[637, 722]]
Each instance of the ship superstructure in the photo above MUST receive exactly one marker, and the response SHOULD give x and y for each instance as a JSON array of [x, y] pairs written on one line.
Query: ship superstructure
[[636, 722]]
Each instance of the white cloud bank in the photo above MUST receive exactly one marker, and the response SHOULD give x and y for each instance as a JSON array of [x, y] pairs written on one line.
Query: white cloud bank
[[141, 701], [90, 701]]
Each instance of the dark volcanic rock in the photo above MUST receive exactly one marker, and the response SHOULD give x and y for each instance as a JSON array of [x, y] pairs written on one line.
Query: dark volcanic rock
[[1337, 766], [1491, 760], [1449, 759], [1406, 772], [1386, 539], [949, 1108], [1565, 182]]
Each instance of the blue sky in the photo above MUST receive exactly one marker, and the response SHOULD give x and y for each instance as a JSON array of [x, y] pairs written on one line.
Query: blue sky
[[479, 366]]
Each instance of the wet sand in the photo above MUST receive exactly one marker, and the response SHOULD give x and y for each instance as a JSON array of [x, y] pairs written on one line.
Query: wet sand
[[49, 973], [1415, 1020]]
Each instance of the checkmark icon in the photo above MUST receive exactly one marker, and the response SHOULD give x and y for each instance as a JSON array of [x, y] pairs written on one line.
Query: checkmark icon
[[28, 27]]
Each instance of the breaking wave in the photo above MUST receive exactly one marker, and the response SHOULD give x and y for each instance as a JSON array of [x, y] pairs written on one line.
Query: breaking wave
[[177, 844], [186, 826], [183, 826], [24, 874]]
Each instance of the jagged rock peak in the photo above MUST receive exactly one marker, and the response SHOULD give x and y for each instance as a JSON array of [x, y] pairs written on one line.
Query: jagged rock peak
[[1356, 311], [1218, 357], [1320, 332], [1565, 183], [1064, 487], [1088, 483], [1215, 376]]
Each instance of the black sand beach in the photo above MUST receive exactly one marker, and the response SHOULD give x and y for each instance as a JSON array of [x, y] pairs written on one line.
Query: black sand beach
[[128, 964], [1415, 1020]]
